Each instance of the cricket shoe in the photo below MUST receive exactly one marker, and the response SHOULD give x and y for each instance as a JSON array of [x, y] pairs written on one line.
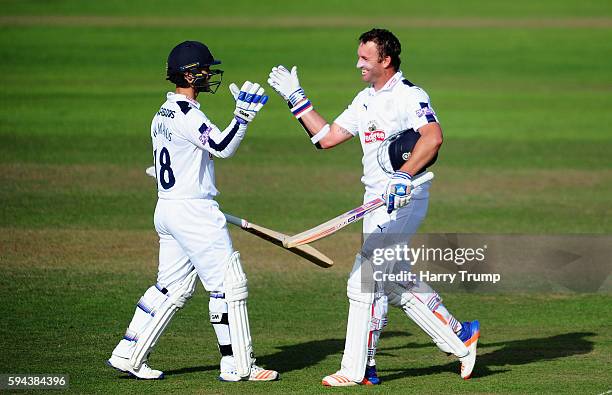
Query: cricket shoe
[[229, 373], [371, 377], [144, 372], [340, 380], [470, 332]]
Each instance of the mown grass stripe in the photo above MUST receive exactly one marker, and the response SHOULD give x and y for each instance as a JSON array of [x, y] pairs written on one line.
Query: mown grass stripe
[[292, 21]]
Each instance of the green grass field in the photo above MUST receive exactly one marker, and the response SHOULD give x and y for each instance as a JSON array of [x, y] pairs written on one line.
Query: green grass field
[[523, 91]]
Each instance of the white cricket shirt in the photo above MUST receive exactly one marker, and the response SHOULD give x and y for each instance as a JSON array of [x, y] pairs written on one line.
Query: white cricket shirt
[[376, 115], [184, 142]]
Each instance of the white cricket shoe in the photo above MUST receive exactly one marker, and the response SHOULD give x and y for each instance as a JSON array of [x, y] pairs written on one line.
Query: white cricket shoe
[[124, 365], [469, 336], [229, 373], [338, 380]]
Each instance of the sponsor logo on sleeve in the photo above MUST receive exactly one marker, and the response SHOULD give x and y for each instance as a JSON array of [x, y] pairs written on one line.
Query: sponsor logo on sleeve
[[204, 133], [424, 112]]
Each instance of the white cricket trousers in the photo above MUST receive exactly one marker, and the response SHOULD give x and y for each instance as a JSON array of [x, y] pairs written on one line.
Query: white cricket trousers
[[385, 230], [192, 233], [404, 221]]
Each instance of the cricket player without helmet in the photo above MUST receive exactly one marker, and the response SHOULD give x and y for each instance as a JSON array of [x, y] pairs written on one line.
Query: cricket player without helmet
[[390, 104], [193, 238]]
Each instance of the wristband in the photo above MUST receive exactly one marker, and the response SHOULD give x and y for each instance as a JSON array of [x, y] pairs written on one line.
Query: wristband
[[402, 174], [240, 120], [302, 108], [306, 107], [320, 134]]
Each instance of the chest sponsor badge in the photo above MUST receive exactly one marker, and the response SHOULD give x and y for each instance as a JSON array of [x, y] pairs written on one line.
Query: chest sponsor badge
[[373, 134]]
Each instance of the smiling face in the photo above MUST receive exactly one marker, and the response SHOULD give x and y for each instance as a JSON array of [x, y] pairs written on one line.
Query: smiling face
[[373, 70]]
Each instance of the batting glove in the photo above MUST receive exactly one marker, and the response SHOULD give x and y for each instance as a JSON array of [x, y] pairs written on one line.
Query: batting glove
[[249, 100], [399, 191], [287, 84]]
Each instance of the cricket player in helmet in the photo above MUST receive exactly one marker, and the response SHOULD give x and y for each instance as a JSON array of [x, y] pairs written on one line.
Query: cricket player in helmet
[[390, 104], [193, 238]]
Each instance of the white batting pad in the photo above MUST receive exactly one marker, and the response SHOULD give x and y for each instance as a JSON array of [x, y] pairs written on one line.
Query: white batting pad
[[440, 333], [236, 294], [176, 297], [360, 291]]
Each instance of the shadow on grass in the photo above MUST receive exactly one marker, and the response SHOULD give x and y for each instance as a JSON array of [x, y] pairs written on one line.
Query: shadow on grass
[[303, 355], [191, 369], [511, 353], [515, 352], [289, 358]]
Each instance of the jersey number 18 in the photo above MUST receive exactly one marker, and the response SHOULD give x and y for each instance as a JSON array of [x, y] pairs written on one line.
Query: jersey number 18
[[164, 168]]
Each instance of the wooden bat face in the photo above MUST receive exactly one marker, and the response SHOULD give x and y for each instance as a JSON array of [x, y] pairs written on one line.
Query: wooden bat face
[[277, 238], [335, 224]]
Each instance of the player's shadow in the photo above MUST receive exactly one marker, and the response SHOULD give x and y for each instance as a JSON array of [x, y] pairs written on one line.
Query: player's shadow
[[192, 369], [511, 353], [302, 355], [291, 357]]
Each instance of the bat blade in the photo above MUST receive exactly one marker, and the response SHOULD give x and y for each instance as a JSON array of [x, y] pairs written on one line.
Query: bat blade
[[343, 220], [333, 225], [277, 238]]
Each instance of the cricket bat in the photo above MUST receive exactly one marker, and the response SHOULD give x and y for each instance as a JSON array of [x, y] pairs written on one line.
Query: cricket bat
[[354, 215], [274, 237], [277, 238]]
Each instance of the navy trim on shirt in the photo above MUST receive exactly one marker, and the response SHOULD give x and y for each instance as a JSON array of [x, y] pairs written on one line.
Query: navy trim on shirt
[[185, 107], [225, 142], [430, 118]]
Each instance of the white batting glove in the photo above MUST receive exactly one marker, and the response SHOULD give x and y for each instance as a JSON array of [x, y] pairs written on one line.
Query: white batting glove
[[399, 191], [249, 100], [287, 84]]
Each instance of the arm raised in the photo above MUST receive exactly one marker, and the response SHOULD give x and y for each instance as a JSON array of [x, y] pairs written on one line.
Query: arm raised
[[286, 83]]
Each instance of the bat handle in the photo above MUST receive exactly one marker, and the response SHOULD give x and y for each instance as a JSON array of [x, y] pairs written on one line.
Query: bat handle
[[423, 179], [235, 220]]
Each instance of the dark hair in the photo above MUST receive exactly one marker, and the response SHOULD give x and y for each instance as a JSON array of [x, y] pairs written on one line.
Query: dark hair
[[178, 80], [386, 44]]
